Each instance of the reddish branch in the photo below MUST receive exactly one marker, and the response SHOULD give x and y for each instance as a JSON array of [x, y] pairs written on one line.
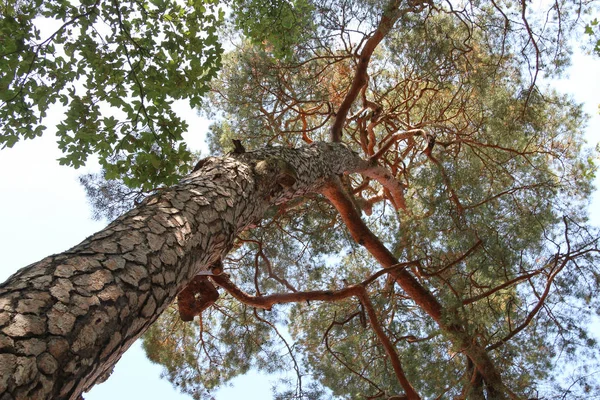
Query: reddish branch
[[395, 138], [359, 291], [444, 318], [387, 344], [389, 182], [363, 235], [267, 302], [389, 17]]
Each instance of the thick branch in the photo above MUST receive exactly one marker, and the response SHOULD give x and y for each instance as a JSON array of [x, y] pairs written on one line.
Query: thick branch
[[363, 235], [411, 394], [388, 181], [388, 19], [267, 302], [395, 138], [359, 291]]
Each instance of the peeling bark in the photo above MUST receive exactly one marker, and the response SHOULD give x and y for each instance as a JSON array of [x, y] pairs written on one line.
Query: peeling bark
[[67, 319]]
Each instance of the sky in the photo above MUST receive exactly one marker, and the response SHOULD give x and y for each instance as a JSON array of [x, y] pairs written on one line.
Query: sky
[[43, 210]]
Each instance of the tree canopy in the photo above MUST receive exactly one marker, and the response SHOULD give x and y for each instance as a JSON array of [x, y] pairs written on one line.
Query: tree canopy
[[475, 205], [117, 67]]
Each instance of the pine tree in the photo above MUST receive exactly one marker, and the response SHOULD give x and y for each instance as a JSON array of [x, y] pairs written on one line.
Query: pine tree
[[394, 172]]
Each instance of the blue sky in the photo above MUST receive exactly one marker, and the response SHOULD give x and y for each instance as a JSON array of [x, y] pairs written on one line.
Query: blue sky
[[43, 210]]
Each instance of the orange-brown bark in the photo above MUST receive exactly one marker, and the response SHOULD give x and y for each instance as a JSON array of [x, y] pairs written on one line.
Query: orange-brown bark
[[363, 235], [196, 297], [359, 291], [360, 76], [423, 297]]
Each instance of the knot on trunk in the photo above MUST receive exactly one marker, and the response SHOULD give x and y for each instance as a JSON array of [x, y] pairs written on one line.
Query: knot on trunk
[[196, 297], [275, 174]]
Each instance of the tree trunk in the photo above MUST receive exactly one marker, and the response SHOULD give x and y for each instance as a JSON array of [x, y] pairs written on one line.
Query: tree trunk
[[67, 319]]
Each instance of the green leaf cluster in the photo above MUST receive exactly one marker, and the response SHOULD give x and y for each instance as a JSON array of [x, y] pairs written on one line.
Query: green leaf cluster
[[276, 25], [593, 30], [117, 68]]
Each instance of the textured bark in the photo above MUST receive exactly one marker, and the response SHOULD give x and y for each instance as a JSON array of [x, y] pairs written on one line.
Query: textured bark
[[67, 319]]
